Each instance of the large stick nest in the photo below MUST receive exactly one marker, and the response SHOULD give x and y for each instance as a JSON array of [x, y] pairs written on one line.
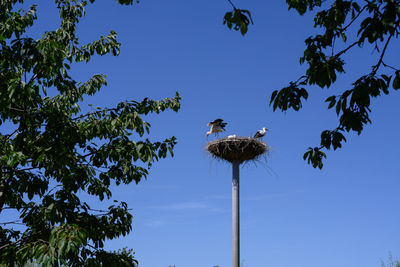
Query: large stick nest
[[237, 149]]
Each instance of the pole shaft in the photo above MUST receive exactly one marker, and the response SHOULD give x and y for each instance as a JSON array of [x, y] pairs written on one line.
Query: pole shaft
[[235, 215]]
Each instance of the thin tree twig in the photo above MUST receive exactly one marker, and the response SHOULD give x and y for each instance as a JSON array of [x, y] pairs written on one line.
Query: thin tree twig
[[17, 109], [12, 222], [11, 134], [19, 240], [302, 77], [348, 25], [376, 67], [230, 2], [94, 112], [26, 169], [346, 49], [388, 66], [9, 208], [32, 78]]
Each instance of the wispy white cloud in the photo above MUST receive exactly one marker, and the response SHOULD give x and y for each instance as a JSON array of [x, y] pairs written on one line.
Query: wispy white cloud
[[218, 197], [190, 206], [181, 206], [185, 206], [208, 203], [257, 197], [266, 196], [155, 223]]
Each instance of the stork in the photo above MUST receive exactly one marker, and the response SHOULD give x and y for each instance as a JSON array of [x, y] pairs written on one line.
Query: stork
[[217, 126], [261, 133]]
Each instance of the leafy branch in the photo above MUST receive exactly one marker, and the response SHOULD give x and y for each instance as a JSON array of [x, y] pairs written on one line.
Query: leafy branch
[[238, 19], [353, 105]]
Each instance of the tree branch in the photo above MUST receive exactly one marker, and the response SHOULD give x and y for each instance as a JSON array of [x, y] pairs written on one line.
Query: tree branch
[[230, 2], [301, 77], [12, 222], [354, 19], [19, 241], [26, 169], [17, 109], [8, 136], [346, 49], [388, 66], [32, 78], [94, 112], [376, 67]]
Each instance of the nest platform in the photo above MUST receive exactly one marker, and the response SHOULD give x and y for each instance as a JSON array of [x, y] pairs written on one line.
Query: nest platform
[[239, 149]]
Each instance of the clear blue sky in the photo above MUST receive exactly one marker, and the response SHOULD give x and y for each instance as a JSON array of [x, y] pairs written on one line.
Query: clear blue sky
[[346, 215]]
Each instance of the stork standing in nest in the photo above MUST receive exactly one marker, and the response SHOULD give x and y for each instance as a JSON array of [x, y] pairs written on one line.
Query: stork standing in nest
[[217, 126], [261, 133]]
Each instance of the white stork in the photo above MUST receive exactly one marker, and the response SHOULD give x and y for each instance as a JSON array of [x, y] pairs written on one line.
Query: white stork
[[217, 126], [261, 133]]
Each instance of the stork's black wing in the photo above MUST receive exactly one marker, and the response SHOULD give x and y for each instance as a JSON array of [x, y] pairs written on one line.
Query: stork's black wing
[[258, 135], [217, 121]]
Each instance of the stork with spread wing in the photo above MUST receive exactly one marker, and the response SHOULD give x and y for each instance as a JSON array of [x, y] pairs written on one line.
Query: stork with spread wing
[[217, 126]]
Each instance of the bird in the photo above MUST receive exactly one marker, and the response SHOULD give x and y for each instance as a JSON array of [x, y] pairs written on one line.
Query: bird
[[217, 126], [232, 136], [217, 122], [261, 133]]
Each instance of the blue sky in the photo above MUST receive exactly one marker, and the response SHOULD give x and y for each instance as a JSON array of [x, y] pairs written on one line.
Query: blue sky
[[291, 214]]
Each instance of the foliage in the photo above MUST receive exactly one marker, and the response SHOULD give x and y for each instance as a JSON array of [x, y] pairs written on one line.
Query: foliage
[[238, 19], [391, 262], [379, 25], [51, 152]]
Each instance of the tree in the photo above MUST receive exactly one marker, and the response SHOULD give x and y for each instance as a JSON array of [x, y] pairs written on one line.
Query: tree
[[390, 262], [51, 152], [379, 25]]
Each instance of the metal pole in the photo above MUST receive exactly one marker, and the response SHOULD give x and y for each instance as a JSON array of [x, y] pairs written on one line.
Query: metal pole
[[235, 215]]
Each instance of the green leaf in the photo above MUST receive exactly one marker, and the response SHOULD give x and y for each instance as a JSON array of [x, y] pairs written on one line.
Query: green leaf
[[273, 96], [338, 106], [332, 100], [396, 81], [344, 37]]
